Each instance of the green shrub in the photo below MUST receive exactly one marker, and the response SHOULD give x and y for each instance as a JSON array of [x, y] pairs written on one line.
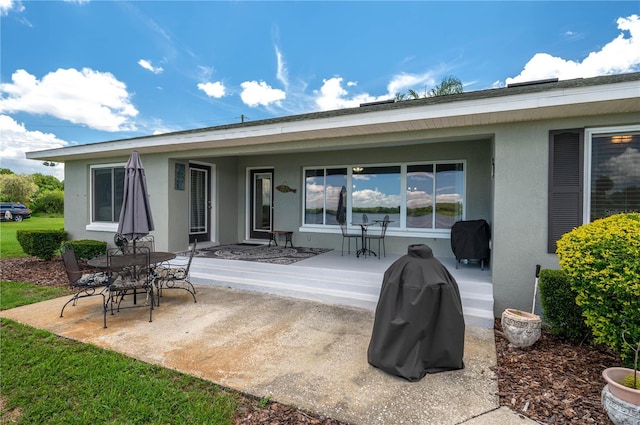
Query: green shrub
[[602, 261], [49, 201], [560, 310], [87, 249], [41, 243]]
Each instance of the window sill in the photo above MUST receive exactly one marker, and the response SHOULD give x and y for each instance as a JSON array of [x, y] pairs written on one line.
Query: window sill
[[401, 233], [102, 227]]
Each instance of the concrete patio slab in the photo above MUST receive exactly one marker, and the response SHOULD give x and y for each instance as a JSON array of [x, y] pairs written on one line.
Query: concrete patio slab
[[306, 354]]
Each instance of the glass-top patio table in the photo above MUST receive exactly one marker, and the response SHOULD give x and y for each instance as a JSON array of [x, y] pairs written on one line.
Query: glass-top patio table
[[363, 226], [121, 262]]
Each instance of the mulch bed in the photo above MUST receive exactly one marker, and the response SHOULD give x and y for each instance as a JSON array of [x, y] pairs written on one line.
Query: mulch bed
[[552, 382]]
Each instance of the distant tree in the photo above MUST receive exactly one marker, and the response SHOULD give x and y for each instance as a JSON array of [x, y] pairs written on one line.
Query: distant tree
[[46, 182], [6, 171], [17, 188], [448, 85], [49, 201]]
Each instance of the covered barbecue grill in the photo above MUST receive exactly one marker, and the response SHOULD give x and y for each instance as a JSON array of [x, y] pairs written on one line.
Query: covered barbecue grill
[[419, 326], [470, 241]]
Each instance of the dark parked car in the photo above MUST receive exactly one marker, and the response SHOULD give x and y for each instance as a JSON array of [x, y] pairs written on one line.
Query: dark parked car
[[14, 211]]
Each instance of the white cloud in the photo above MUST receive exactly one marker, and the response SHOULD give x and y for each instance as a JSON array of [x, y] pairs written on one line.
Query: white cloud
[[216, 89], [333, 96], [405, 81], [255, 94], [622, 168], [16, 140], [95, 99], [7, 5], [367, 198], [620, 55], [282, 73], [205, 72], [314, 195], [149, 67], [419, 199]]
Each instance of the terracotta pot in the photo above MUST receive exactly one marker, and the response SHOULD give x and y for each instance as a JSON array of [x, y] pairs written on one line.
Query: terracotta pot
[[621, 403], [522, 329], [615, 375]]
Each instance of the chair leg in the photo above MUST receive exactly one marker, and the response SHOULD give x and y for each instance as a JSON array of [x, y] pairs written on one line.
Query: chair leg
[[74, 299], [151, 302]]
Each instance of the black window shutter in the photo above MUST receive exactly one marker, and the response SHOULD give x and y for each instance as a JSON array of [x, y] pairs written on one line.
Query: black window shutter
[[566, 170]]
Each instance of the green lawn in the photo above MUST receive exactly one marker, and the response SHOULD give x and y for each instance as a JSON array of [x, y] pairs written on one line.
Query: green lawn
[[15, 294], [9, 246], [48, 379], [53, 380]]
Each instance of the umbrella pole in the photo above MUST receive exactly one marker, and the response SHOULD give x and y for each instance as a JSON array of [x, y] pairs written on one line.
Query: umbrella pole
[[135, 290]]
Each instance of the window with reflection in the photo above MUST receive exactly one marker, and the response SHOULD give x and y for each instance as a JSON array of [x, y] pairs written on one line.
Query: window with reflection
[[414, 196], [323, 200], [615, 174], [107, 191], [449, 197], [420, 187], [376, 192]]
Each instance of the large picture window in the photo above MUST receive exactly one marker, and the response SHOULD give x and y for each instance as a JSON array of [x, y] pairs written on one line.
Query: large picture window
[[420, 197], [593, 173], [107, 185], [376, 192], [614, 174], [323, 189]]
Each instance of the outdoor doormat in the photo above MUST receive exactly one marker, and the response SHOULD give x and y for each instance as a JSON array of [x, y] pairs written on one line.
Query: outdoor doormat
[[261, 253]]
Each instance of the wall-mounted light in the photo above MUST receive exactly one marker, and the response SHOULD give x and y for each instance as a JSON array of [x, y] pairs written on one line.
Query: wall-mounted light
[[622, 138], [49, 164], [357, 169]]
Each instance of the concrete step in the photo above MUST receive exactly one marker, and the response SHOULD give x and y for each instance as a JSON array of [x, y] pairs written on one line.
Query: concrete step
[[356, 288]]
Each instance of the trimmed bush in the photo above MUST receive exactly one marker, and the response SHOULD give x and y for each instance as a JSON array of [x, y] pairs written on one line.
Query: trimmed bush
[[560, 311], [87, 249], [49, 201], [602, 261], [41, 243]]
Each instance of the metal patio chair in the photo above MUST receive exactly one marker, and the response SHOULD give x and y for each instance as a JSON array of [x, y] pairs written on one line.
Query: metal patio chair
[[379, 236], [129, 274], [174, 274], [348, 236], [84, 284]]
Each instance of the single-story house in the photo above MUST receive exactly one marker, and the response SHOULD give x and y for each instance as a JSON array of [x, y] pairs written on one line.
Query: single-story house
[[534, 160]]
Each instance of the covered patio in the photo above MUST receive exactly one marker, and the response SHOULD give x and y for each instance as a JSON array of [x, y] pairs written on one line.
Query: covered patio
[[341, 279]]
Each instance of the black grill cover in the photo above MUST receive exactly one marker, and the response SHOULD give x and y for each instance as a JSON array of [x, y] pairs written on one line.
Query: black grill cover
[[419, 325], [470, 240]]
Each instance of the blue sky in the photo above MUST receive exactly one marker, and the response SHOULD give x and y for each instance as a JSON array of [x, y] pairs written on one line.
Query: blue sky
[[76, 72]]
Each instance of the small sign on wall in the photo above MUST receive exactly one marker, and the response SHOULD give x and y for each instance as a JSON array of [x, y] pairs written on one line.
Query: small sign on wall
[[180, 170]]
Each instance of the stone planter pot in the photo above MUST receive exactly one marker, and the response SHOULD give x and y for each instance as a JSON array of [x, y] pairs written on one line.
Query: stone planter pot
[[522, 329], [621, 403]]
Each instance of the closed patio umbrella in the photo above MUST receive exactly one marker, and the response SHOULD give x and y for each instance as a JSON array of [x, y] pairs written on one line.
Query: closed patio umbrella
[[135, 216], [341, 211]]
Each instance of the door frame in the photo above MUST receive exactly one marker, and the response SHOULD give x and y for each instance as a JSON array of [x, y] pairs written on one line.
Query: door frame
[[208, 235], [250, 234]]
